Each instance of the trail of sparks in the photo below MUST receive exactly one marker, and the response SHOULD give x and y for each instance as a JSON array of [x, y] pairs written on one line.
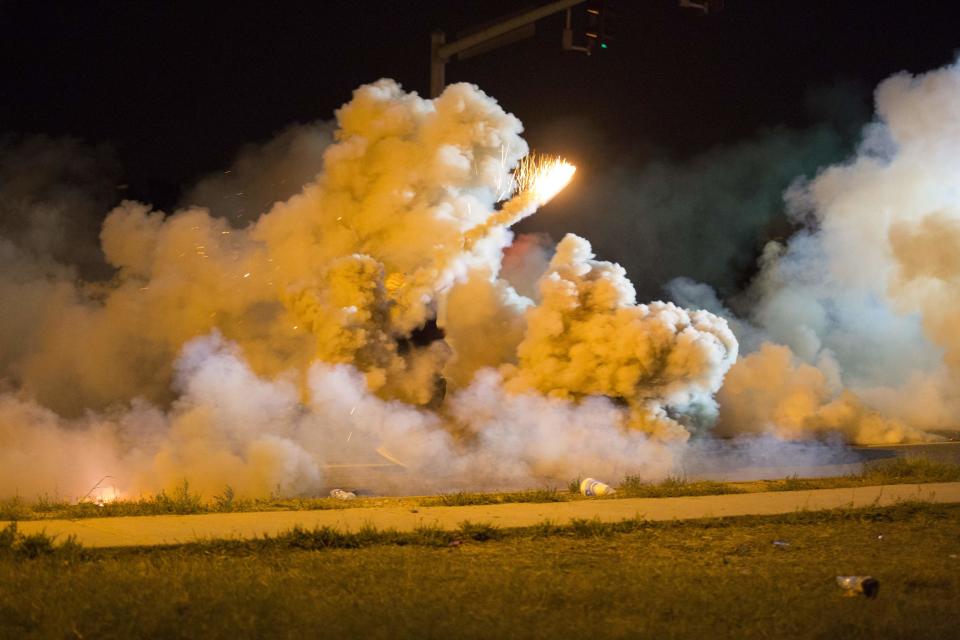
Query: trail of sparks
[[537, 179], [542, 176]]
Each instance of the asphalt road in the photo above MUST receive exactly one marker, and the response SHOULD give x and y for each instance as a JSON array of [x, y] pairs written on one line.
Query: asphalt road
[[939, 451], [770, 460], [721, 460], [156, 530]]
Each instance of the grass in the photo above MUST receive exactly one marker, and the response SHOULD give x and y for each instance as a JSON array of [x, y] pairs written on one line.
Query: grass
[[182, 500], [633, 487], [463, 498], [709, 578], [20, 546], [894, 471]]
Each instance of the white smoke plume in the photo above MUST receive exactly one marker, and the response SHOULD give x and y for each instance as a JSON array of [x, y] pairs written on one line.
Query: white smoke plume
[[268, 354], [854, 315]]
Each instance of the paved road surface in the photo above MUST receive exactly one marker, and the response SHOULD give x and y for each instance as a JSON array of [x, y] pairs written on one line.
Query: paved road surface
[[735, 460], [153, 530], [938, 451]]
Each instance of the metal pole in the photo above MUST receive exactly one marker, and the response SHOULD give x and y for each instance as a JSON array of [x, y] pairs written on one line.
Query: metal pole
[[447, 51], [437, 63], [440, 51]]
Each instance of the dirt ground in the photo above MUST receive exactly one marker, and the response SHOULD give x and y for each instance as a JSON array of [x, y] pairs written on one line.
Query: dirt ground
[[155, 530]]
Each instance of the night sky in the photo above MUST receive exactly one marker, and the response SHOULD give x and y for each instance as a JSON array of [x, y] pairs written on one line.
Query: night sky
[[175, 88]]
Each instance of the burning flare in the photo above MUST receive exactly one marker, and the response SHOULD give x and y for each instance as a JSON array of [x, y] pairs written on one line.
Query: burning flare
[[543, 176], [538, 178]]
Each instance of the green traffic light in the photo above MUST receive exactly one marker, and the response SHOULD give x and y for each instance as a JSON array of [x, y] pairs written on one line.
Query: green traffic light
[[603, 45]]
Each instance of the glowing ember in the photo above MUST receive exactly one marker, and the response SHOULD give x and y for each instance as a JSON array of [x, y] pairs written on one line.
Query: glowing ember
[[105, 495], [543, 176]]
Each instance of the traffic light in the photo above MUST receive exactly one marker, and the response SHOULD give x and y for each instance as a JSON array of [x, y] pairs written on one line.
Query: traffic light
[[591, 27], [599, 24]]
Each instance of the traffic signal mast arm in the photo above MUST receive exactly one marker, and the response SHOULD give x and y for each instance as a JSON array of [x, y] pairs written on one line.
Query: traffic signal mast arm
[[442, 51], [594, 28]]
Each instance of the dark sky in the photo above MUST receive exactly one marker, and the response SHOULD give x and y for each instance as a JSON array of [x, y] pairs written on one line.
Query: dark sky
[[176, 87]]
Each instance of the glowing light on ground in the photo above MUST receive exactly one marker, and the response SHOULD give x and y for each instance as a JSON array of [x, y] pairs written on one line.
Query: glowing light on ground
[[105, 496]]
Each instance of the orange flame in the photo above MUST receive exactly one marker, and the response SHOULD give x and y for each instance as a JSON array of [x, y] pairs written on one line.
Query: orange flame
[[543, 176]]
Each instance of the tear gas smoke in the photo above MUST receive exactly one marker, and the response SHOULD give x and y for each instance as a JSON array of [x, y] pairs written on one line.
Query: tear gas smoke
[[374, 309], [263, 355], [849, 323]]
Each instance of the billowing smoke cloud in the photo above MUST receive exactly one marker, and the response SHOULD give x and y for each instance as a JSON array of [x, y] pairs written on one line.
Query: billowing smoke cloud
[[363, 313], [378, 314], [588, 337], [864, 297]]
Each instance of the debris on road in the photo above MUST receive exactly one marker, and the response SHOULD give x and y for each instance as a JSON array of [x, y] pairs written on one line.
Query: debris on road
[[859, 585], [781, 544], [594, 488]]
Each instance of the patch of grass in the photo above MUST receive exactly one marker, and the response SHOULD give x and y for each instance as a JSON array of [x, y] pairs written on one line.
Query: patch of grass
[[15, 508], [546, 529], [19, 546], [893, 471], [225, 502], [901, 470], [480, 531], [712, 578], [674, 486], [583, 528], [461, 499], [183, 500], [330, 538]]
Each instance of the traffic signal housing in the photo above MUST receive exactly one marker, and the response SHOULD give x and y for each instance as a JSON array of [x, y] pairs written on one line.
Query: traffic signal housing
[[599, 24], [591, 28]]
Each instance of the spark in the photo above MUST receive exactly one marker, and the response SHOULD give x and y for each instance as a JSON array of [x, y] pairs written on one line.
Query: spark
[[107, 496], [101, 495], [537, 179], [543, 176]]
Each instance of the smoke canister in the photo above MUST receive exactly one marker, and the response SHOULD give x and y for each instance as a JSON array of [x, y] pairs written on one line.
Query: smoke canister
[[859, 585], [595, 488]]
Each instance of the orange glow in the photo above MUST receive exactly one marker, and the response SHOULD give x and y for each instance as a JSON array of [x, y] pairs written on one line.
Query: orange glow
[[543, 176]]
